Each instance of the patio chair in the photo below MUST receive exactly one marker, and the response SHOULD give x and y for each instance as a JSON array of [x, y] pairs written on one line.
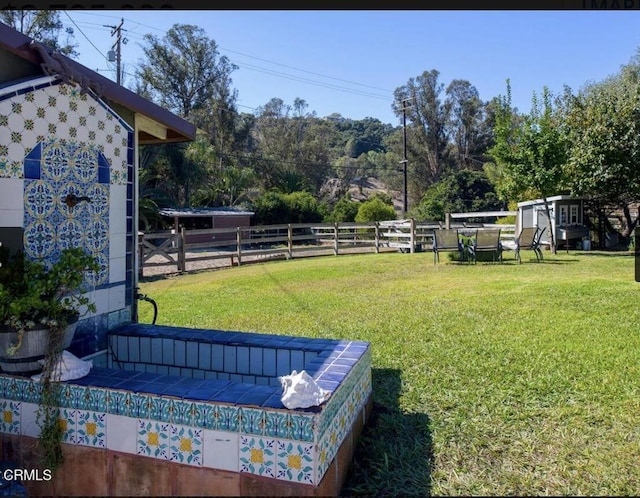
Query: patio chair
[[537, 246], [446, 240], [486, 241], [526, 239]]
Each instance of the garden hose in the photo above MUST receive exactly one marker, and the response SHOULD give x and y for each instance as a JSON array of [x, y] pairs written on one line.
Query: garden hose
[[144, 297]]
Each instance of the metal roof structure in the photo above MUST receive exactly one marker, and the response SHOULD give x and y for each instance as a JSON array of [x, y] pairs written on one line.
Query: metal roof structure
[[203, 212]]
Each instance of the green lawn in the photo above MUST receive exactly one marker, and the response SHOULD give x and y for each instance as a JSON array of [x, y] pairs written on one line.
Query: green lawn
[[489, 379]]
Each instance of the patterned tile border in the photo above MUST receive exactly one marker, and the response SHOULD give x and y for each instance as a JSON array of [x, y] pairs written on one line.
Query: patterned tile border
[[282, 444]]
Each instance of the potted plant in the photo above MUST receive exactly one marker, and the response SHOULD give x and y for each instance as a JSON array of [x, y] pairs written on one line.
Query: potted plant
[[40, 305]]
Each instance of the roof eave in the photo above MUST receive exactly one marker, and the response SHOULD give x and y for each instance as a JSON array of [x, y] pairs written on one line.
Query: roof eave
[[178, 129]]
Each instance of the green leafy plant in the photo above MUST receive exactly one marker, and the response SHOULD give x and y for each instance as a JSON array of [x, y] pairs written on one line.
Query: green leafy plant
[[33, 295]]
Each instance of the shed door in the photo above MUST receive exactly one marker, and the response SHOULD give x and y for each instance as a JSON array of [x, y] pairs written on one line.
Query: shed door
[[543, 222]]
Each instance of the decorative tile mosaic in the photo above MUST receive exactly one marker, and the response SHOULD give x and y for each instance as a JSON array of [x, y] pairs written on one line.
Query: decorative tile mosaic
[[186, 445], [91, 429], [60, 142], [154, 439], [258, 456], [68, 425], [295, 461], [60, 111], [10, 422]]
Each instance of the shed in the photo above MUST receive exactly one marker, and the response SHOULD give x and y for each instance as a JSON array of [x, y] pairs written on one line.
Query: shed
[[207, 218], [567, 219]]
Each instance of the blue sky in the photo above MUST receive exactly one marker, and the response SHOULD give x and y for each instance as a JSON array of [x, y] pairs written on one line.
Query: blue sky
[[350, 62]]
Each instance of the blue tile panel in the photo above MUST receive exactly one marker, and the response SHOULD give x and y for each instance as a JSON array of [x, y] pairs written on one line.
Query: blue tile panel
[[237, 356]]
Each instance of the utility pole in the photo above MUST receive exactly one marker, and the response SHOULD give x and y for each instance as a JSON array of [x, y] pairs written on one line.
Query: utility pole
[[405, 161], [117, 45]]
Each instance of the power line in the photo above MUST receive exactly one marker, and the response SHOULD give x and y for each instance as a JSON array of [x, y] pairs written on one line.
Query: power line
[[277, 73], [276, 63], [82, 33], [320, 84], [310, 72]]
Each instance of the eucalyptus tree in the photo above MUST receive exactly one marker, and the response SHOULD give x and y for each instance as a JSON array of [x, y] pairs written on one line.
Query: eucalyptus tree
[[44, 26], [293, 146], [420, 101], [468, 124], [603, 124], [185, 73]]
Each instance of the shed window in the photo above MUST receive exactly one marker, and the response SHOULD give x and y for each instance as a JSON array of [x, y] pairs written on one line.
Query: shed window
[[573, 214], [563, 215]]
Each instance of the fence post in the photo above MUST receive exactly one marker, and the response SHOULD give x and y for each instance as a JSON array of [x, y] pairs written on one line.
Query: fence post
[[412, 235], [335, 238], [290, 240], [377, 236], [447, 220], [239, 244], [182, 257]]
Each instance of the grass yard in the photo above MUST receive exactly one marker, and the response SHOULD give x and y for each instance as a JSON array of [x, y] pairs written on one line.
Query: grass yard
[[489, 379]]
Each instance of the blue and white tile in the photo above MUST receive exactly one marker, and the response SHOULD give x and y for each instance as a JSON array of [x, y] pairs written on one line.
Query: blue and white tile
[[11, 413], [161, 409], [278, 424], [186, 445], [91, 429], [295, 461], [32, 392], [120, 402], [228, 418], [253, 421], [258, 456], [68, 424], [302, 427], [154, 439]]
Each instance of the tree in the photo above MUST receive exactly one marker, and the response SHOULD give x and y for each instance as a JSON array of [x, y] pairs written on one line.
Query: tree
[[185, 73], [174, 171], [531, 154], [345, 210], [426, 136], [44, 26], [274, 208], [603, 127], [293, 147], [460, 192], [468, 124]]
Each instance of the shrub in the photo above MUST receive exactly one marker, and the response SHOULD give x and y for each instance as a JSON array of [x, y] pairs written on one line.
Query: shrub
[[375, 210]]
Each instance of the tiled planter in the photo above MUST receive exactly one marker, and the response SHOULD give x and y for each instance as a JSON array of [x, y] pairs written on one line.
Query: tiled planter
[[210, 399]]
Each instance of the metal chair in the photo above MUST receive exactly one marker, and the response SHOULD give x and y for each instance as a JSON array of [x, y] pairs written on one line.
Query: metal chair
[[487, 240], [525, 240], [446, 239], [529, 239]]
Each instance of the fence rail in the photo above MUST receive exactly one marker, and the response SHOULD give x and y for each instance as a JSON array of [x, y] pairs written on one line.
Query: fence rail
[[237, 246]]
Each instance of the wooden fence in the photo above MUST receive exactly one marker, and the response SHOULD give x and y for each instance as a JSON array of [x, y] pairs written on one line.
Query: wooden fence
[[286, 241]]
